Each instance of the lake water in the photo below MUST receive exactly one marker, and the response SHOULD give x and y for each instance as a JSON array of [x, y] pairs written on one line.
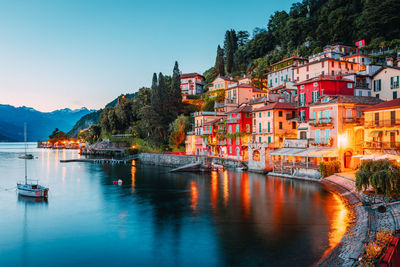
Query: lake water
[[158, 218]]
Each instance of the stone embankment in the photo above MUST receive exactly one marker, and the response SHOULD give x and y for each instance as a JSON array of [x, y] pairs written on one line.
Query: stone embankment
[[174, 161], [367, 220]]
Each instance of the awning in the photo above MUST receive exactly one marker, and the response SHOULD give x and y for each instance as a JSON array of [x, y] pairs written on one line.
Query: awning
[[286, 151], [318, 152], [302, 129], [375, 134]]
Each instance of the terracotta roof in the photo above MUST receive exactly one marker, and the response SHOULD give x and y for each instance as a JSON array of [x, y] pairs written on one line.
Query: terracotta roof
[[361, 100], [276, 105], [227, 78], [212, 122], [385, 105], [243, 108], [258, 100], [324, 59], [259, 90], [189, 75], [325, 78], [289, 58]]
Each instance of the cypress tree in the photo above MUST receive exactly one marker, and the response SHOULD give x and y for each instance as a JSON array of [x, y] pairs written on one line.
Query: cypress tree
[[230, 47], [175, 92], [156, 100], [219, 62]]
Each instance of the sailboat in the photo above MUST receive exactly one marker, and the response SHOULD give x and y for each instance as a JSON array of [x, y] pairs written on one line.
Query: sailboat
[[31, 189], [25, 155]]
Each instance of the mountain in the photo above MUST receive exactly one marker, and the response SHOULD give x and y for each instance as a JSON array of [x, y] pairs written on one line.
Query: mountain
[[93, 117], [40, 124]]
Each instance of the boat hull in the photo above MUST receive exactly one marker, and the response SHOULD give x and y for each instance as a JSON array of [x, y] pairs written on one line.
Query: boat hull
[[32, 190]]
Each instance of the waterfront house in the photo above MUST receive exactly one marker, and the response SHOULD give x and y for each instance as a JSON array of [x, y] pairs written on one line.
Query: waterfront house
[[238, 131], [283, 71], [386, 83], [381, 128], [272, 123], [363, 80], [237, 94], [200, 118], [336, 128], [192, 83], [220, 84], [309, 91], [210, 132]]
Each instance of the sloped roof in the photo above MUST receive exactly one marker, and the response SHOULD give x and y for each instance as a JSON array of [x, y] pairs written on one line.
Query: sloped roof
[[385, 105], [213, 121], [242, 108], [325, 78], [189, 75], [361, 100], [383, 68], [276, 105]]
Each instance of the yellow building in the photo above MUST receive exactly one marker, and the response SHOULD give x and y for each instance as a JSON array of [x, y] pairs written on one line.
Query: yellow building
[[381, 127]]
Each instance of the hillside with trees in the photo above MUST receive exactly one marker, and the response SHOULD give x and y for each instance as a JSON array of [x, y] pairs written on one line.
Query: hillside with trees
[[305, 30]]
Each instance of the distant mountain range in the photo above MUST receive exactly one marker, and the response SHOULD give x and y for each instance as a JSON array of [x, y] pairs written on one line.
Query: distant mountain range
[[40, 124]]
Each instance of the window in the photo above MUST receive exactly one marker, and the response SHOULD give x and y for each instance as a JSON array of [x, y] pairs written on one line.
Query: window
[[317, 136], [237, 140], [360, 93], [303, 135], [376, 118], [394, 82], [269, 113], [394, 95], [333, 73], [392, 117], [377, 85], [280, 125], [230, 150], [269, 127], [315, 84], [302, 99], [369, 93], [230, 141], [315, 96], [327, 135], [323, 72], [348, 113], [293, 125], [349, 85], [259, 139], [269, 139], [322, 64], [307, 76], [308, 68], [259, 114], [333, 64], [280, 113], [230, 129], [259, 127], [237, 128], [377, 95], [327, 115]]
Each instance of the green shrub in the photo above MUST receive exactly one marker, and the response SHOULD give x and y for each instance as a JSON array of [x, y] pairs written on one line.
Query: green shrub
[[328, 168], [383, 175]]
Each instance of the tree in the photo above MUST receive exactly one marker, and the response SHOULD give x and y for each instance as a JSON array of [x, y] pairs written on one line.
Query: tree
[[242, 37], [178, 134], [219, 62], [175, 95], [230, 47], [57, 135]]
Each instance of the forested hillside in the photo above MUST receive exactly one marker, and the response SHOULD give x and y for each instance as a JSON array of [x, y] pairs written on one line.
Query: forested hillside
[[305, 30]]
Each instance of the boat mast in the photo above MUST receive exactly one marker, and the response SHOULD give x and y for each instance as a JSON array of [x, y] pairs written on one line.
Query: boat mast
[[26, 170]]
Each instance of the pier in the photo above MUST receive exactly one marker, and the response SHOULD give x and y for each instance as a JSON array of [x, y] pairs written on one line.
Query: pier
[[102, 161]]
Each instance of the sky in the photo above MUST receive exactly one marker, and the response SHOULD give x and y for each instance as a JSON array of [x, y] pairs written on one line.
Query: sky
[[83, 53]]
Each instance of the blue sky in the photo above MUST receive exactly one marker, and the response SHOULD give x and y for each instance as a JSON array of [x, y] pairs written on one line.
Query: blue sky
[[74, 53]]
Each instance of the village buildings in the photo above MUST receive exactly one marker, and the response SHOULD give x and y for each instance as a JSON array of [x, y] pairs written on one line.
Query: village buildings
[[386, 83], [192, 83]]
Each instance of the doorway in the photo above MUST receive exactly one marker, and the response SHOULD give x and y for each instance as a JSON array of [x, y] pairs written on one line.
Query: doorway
[[347, 159]]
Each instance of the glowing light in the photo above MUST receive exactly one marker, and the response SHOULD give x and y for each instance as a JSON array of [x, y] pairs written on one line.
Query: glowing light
[[194, 194], [133, 177], [343, 140], [226, 188], [214, 189]]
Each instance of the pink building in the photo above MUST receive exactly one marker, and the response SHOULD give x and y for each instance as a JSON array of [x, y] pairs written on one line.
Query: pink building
[[192, 83]]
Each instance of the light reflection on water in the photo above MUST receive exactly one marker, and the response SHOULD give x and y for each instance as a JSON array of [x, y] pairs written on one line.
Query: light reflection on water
[[160, 218]]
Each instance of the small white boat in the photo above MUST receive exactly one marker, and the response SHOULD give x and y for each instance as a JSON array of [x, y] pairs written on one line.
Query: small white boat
[[31, 189], [26, 156], [217, 167]]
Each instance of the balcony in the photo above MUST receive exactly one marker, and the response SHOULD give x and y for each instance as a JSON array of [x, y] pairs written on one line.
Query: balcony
[[360, 85], [381, 145], [321, 122], [357, 121], [382, 123], [232, 121], [291, 116], [394, 85]]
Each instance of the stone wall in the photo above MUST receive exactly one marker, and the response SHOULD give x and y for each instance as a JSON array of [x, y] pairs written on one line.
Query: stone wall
[[257, 165], [173, 161]]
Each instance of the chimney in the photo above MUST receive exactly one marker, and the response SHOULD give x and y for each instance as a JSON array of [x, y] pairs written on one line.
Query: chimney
[[389, 61]]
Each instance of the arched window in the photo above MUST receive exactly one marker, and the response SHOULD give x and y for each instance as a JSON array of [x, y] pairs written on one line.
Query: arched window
[[256, 155]]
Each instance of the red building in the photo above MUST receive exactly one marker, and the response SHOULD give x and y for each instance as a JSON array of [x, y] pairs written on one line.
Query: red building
[[210, 130], [192, 83], [238, 131], [311, 90]]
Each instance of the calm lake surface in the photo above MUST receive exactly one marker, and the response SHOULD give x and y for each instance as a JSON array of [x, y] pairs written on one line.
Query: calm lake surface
[[158, 218]]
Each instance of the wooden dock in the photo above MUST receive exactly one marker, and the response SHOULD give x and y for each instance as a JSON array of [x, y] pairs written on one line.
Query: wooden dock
[[102, 161]]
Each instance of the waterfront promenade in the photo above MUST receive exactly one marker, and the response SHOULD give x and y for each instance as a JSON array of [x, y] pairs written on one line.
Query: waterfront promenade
[[365, 222]]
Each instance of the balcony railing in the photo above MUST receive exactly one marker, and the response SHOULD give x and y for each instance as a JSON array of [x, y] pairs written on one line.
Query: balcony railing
[[362, 85], [297, 164], [382, 123], [321, 122], [353, 120], [394, 85], [381, 145], [291, 116], [232, 121]]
